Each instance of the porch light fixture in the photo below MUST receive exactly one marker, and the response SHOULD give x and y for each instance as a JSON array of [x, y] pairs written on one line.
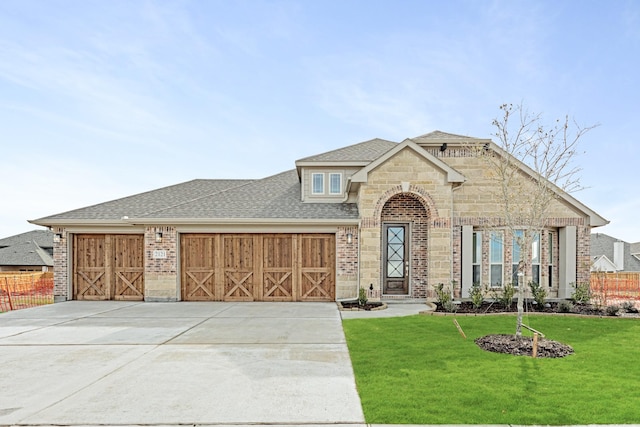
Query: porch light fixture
[[349, 238], [57, 237], [158, 236]]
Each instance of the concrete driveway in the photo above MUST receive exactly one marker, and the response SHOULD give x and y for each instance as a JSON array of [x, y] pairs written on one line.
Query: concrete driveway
[[88, 363]]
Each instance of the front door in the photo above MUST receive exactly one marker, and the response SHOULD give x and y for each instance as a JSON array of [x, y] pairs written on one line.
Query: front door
[[396, 259]]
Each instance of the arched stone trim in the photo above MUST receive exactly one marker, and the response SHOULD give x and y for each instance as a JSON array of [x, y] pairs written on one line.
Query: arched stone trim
[[423, 197]]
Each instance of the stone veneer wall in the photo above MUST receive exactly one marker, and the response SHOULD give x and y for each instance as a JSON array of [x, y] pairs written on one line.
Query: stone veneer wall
[[410, 174], [161, 274]]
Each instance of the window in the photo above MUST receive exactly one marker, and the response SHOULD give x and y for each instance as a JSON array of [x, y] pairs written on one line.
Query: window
[[535, 258], [335, 183], [516, 255], [496, 249], [476, 260], [317, 183], [550, 260]]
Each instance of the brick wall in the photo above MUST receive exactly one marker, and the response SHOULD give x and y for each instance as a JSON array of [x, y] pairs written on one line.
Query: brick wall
[[168, 244], [61, 267], [407, 208]]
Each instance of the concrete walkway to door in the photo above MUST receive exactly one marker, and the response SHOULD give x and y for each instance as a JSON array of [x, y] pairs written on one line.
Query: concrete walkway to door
[[125, 363]]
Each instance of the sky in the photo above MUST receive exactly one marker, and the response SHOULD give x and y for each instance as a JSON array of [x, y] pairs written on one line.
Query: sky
[[104, 99]]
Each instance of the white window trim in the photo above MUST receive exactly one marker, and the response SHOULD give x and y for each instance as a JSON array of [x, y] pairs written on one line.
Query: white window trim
[[313, 183], [339, 175]]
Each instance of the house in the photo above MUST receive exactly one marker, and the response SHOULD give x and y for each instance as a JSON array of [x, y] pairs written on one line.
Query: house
[[613, 255], [394, 218], [31, 251]]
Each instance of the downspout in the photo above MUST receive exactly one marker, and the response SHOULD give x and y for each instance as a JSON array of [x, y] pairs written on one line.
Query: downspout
[[454, 188]]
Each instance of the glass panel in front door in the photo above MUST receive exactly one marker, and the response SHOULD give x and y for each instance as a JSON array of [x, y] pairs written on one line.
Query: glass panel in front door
[[395, 251]]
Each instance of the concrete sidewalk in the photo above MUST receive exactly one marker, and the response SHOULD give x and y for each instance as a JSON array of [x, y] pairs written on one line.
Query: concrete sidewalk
[[122, 363]]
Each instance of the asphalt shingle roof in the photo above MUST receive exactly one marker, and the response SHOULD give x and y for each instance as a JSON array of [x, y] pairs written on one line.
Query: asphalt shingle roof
[[144, 204], [366, 151], [275, 197], [44, 238], [25, 254]]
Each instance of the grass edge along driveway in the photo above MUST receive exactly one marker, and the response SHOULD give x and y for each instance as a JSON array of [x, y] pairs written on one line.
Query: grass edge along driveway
[[420, 370]]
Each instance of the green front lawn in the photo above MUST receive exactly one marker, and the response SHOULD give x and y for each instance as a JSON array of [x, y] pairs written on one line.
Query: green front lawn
[[420, 370]]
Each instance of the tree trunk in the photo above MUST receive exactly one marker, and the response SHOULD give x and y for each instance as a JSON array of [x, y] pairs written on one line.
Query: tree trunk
[[520, 306]]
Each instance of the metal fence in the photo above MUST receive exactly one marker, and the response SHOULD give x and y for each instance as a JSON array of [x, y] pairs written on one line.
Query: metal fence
[[24, 290]]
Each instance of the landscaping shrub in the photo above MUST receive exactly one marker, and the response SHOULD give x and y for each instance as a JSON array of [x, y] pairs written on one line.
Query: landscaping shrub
[[582, 294], [565, 307], [539, 294], [504, 295], [476, 293], [362, 296]]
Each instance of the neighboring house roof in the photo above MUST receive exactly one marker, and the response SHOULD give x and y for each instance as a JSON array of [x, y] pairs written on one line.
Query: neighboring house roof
[[602, 254], [212, 201], [25, 254], [44, 239]]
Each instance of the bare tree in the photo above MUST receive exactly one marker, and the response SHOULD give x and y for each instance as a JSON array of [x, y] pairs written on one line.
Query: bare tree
[[534, 165]]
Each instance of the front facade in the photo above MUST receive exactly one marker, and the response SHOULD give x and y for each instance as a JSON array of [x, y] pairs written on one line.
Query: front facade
[[394, 218]]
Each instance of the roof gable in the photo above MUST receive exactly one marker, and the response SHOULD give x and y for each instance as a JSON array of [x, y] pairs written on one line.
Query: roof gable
[[452, 174]]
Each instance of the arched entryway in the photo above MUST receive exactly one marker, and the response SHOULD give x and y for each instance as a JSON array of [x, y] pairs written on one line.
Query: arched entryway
[[405, 235]]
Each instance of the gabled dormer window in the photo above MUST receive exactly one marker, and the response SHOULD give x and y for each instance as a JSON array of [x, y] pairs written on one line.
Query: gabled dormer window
[[326, 183], [317, 182]]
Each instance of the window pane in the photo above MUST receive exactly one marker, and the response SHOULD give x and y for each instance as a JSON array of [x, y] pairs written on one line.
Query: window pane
[[318, 183], [496, 248], [395, 269], [496, 275], [335, 185], [550, 248], [536, 273], [535, 249], [476, 274], [477, 248], [517, 236]]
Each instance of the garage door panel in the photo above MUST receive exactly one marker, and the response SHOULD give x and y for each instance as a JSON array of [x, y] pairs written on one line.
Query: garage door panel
[[107, 266], [128, 267], [258, 267], [198, 268]]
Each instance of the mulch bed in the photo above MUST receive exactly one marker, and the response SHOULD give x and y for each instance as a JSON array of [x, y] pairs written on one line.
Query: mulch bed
[[523, 346], [356, 306]]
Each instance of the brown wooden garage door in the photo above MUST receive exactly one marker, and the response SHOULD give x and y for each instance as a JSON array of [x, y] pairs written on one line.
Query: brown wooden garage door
[[108, 267], [258, 267]]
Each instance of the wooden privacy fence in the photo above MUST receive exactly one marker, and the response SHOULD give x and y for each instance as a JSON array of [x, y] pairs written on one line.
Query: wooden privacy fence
[[610, 287], [24, 290]]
